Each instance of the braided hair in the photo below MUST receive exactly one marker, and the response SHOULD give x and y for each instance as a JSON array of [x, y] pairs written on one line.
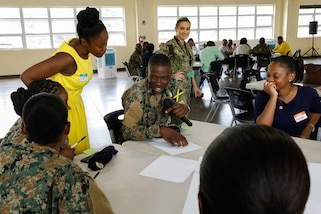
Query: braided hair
[[20, 97], [89, 25]]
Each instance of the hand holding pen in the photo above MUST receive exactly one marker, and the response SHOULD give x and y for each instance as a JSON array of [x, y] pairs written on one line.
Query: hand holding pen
[[75, 144]]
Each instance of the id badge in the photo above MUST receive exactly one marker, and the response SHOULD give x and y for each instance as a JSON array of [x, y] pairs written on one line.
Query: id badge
[[190, 74], [300, 116], [83, 77]]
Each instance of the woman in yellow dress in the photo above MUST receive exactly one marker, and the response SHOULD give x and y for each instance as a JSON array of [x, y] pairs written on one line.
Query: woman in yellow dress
[[71, 66]]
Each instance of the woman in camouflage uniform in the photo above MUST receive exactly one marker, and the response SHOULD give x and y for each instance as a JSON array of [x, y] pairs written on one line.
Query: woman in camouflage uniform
[[181, 56]]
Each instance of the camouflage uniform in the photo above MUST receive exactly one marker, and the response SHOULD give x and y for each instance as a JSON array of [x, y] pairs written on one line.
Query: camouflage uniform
[[182, 59], [37, 179], [135, 59], [261, 49], [15, 131], [144, 111]]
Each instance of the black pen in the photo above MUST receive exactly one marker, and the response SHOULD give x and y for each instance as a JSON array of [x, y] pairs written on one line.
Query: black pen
[[96, 174], [73, 146]]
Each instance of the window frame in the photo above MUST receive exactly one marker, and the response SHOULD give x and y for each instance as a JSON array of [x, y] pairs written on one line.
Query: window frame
[[19, 40], [315, 12], [218, 29]]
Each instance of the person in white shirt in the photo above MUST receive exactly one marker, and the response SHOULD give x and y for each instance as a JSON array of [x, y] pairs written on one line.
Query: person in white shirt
[[242, 48]]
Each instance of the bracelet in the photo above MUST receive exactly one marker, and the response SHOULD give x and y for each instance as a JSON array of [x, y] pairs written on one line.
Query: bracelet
[[313, 127]]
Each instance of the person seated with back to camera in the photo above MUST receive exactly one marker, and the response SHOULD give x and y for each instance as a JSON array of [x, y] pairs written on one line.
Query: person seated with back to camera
[[20, 97], [145, 115], [251, 169], [145, 58], [135, 59], [242, 48], [292, 108], [208, 55], [34, 177]]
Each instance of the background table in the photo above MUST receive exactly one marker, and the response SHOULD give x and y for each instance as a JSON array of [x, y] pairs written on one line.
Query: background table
[[259, 85]]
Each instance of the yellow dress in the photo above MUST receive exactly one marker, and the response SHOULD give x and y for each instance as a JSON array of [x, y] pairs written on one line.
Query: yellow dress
[[74, 85]]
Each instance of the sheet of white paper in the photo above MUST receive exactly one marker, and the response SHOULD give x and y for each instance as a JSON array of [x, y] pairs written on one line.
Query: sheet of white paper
[[313, 205], [170, 168], [191, 203], [173, 150]]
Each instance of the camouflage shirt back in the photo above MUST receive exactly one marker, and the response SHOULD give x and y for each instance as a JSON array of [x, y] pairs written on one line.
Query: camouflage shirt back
[[37, 179]]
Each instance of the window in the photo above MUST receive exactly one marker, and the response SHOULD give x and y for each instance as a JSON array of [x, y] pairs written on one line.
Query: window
[[218, 22], [308, 14], [34, 28]]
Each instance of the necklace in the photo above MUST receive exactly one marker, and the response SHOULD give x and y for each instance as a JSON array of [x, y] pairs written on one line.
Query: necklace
[[283, 102]]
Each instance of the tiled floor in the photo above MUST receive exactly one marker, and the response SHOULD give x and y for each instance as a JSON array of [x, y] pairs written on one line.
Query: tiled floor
[[102, 96]]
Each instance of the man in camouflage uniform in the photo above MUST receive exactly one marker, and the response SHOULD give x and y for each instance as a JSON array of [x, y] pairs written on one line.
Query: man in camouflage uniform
[[182, 59], [34, 177], [145, 116], [135, 59]]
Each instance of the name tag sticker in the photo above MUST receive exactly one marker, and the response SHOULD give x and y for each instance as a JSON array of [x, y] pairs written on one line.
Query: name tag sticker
[[83, 78], [300, 116], [190, 74]]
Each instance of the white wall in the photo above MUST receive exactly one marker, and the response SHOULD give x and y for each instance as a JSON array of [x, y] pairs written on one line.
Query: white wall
[[14, 62]]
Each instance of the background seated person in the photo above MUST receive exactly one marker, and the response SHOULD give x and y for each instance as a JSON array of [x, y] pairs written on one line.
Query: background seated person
[[263, 53], [20, 97], [283, 105], [262, 48], [231, 46], [149, 52], [35, 178], [191, 43], [251, 169], [135, 59], [145, 57], [208, 55], [282, 47], [227, 52], [242, 48], [145, 117]]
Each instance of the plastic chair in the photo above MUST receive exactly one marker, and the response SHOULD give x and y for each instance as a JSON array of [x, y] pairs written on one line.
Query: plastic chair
[[217, 69], [219, 95], [297, 53], [242, 61], [133, 78], [243, 101], [113, 121], [141, 70], [263, 60]]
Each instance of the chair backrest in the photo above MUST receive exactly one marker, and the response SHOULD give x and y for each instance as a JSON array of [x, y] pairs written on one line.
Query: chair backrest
[[240, 99], [113, 121], [216, 91], [141, 70], [297, 53], [242, 61], [133, 78], [216, 68], [125, 63], [263, 60]]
